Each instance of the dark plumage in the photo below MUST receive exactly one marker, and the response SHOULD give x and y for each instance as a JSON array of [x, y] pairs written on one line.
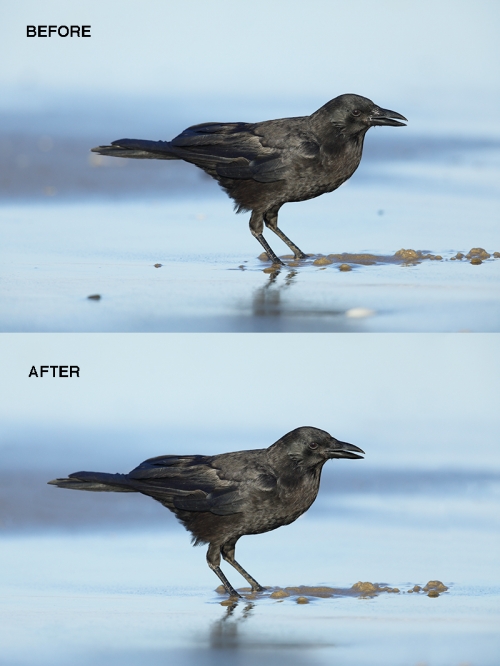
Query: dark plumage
[[265, 165], [220, 498]]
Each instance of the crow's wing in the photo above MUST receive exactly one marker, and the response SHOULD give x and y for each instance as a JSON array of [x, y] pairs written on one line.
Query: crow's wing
[[222, 503], [261, 151], [190, 483], [202, 483]]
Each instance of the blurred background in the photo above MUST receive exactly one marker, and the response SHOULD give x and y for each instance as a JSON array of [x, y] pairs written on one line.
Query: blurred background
[[422, 407], [152, 68]]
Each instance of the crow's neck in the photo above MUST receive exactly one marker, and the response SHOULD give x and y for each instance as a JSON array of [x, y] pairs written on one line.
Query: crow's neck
[[293, 471]]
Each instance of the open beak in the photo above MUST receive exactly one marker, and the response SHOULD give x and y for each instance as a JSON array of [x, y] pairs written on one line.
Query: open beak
[[385, 117], [344, 450]]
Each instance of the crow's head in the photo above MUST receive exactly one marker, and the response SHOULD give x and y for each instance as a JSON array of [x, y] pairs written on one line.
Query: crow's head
[[311, 446], [353, 114]]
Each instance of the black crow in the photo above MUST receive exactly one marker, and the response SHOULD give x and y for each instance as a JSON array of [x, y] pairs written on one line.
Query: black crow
[[265, 165], [221, 498]]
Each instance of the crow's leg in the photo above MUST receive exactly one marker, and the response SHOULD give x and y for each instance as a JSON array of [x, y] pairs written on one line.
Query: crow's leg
[[213, 560], [256, 229], [271, 220], [227, 551]]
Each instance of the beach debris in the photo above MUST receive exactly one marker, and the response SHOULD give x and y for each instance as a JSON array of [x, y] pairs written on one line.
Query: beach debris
[[303, 594], [405, 257]]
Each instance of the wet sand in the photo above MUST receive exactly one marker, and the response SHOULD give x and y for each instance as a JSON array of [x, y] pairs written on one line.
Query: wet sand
[[388, 567], [193, 266], [131, 596]]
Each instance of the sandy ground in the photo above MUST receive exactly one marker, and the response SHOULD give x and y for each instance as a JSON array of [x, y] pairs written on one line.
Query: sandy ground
[[185, 265], [121, 596]]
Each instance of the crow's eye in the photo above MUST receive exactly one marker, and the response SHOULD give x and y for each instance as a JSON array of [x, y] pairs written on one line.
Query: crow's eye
[[356, 112], [313, 445]]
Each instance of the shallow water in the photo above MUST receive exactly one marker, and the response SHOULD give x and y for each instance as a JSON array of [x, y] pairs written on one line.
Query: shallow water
[[127, 596], [112, 578], [208, 277]]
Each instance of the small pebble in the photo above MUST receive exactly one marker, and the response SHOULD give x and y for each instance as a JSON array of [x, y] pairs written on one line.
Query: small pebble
[[158, 265], [279, 594], [322, 261], [302, 600], [364, 588], [406, 254], [476, 261], [345, 267], [95, 297], [433, 593], [435, 585], [478, 252]]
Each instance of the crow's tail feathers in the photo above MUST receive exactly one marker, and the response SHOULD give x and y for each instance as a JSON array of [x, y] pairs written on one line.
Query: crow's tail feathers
[[96, 482], [138, 149]]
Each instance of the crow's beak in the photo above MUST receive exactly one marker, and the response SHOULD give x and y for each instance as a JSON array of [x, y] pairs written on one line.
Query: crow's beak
[[385, 117], [343, 450]]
